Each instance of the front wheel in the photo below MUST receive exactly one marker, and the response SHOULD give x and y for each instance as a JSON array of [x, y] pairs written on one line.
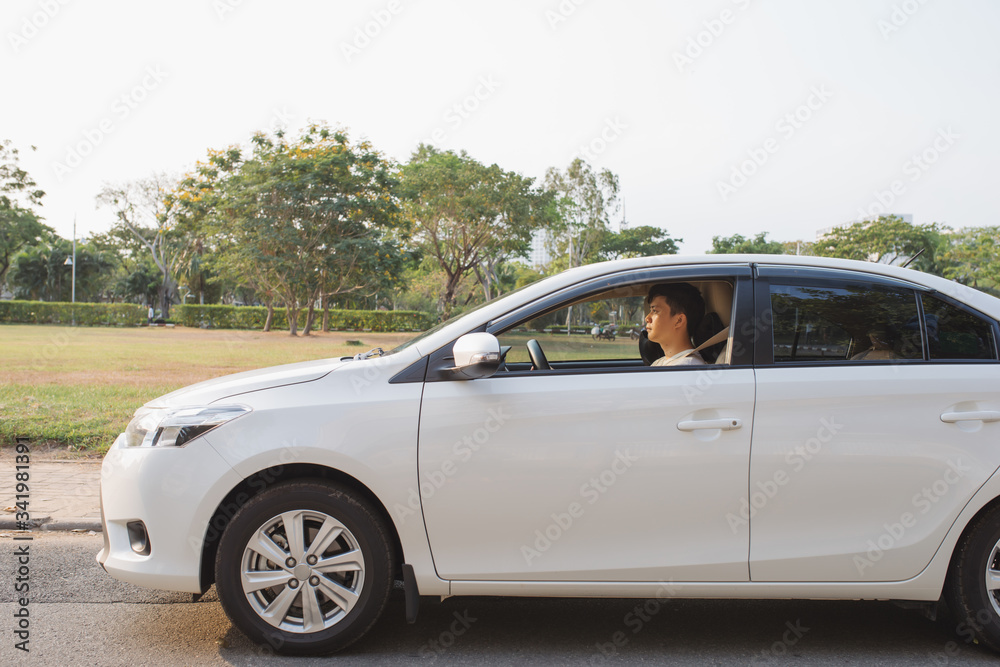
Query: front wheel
[[305, 568], [973, 588]]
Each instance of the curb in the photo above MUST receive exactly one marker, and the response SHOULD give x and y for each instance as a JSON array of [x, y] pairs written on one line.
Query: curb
[[85, 524], [46, 524]]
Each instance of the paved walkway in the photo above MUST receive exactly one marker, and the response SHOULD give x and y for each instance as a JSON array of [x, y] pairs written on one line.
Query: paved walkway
[[62, 495]]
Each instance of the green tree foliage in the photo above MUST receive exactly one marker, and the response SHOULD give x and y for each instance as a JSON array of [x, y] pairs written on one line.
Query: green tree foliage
[[469, 218], [299, 221], [586, 201], [737, 244], [887, 240], [971, 257], [134, 278], [20, 225], [40, 272], [644, 241]]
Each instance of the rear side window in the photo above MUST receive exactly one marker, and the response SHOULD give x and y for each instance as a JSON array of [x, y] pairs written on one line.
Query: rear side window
[[954, 333], [844, 322]]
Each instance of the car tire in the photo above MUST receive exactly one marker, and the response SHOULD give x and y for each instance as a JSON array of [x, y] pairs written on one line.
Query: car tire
[[975, 603], [335, 577]]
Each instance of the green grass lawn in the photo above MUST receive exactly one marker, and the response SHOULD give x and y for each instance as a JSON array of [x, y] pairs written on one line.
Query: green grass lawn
[[560, 347], [77, 388]]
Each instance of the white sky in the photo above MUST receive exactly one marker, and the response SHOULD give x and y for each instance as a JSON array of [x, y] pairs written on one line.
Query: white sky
[[894, 76]]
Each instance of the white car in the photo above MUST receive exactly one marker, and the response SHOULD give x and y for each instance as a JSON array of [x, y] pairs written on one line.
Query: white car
[[841, 442]]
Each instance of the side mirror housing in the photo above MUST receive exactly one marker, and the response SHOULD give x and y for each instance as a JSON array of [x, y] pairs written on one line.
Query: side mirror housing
[[477, 355]]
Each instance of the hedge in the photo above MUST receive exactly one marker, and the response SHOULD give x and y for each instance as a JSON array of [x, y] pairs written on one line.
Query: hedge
[[86, 314], [253, 317]]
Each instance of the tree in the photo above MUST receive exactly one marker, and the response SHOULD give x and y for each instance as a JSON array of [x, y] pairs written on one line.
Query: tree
[[644, 241], [40, 272], [737, 244], [469, 217], [20, 226], [887, 240], [302, 220], [970, 257], [143, 209], [586, 201]]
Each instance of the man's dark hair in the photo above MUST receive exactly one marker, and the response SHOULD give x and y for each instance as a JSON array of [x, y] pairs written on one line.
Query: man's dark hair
[[682, 298]]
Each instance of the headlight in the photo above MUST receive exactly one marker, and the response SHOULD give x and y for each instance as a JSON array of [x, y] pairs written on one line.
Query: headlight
[[176, 427]]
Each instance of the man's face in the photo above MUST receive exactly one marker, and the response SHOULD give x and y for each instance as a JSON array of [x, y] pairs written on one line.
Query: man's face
[[661, 324]]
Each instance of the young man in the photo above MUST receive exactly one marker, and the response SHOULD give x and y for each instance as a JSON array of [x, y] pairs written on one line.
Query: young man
[[675, 309]]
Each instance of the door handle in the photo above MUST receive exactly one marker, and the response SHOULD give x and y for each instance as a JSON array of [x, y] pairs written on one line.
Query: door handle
[[971, 416], [729, 424]]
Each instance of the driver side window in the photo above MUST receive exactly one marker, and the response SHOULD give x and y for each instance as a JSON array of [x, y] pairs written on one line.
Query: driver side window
[[603, 330], [602, 327]]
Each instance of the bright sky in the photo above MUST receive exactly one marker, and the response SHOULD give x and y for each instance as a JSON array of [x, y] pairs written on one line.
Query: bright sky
[[720, 117]]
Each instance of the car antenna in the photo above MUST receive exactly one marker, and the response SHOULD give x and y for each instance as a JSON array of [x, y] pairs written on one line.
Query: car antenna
[[910, 260]]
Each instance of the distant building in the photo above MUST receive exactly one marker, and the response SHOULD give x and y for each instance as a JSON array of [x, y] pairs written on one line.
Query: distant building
[[539, 254]]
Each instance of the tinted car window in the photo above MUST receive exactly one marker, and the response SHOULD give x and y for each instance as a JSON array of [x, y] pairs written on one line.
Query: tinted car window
[[845, 322], [954, 333]]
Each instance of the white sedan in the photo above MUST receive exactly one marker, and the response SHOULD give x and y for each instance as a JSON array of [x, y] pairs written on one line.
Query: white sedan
[[840, 441]]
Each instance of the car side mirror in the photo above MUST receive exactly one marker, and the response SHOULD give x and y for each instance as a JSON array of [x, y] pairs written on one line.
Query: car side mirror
[[477, 355]]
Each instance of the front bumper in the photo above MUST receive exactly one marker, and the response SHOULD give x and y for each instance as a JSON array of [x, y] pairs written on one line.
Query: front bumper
[[174, 492]]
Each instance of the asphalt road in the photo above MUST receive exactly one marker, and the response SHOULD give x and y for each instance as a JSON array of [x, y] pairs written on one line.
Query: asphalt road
[[81, 616]]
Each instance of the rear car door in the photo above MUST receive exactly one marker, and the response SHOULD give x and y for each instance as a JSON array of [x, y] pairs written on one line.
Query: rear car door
[[876, 422]]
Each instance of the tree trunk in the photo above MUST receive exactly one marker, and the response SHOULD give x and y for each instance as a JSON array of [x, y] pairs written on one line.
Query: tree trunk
[[164, 300], [326, 313], [293, 319], [270, 317], [449, 294], [309, 319]]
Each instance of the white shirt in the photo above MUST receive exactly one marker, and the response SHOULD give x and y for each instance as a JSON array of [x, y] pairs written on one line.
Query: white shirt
[[692, 358]]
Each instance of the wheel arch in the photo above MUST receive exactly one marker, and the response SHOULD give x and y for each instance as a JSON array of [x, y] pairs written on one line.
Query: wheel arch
[[970, 525], [266, 478]]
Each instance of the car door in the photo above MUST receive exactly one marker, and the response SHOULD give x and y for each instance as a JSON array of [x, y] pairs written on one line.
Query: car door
[[872, 429], [594, 470]]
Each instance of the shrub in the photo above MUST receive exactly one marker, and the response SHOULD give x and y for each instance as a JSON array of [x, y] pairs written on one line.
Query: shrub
[[253, 317], [85, 314]]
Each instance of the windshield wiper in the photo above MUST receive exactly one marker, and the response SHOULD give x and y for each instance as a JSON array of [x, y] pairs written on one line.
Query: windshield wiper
[[374, 352]]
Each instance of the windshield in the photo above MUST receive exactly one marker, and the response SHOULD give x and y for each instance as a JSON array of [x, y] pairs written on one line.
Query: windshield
[[437, 327]]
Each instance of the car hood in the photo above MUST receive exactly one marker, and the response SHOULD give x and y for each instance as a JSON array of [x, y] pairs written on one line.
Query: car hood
[[227, 386]]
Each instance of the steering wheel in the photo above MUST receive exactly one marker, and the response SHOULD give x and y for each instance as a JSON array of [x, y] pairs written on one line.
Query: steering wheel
[[538, 359]]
